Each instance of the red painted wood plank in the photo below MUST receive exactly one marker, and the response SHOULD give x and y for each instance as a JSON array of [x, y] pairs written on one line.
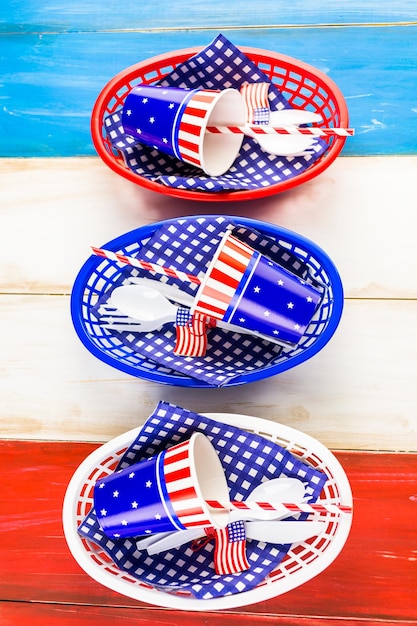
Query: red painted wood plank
[[373, 578], [37, 614]]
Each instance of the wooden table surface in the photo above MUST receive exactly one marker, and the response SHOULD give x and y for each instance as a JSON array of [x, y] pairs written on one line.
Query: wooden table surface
[[358, 396]]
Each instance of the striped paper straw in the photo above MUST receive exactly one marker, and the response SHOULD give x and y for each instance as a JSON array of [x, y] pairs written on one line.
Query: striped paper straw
[[146, 265], [291, 507], [281, 130]]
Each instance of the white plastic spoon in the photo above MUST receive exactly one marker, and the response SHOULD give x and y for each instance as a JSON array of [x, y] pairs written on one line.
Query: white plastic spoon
[[286, 145], [278, 488], [151, 309], [169, 291]]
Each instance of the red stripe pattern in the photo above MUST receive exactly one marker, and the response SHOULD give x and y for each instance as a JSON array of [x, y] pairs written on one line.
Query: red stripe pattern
[[255, 96], [191, 329], [223, 277], [145, 265], [313, 131], [180, 486], [281, 507], [192, 122], [230, 548]]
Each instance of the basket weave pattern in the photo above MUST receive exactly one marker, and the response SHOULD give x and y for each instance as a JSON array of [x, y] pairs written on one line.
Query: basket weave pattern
[[301, 84], [302, 562]]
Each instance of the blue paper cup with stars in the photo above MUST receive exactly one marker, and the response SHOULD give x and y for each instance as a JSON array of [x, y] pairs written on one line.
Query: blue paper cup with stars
[[166, 492], [174, 121], [247, 289]]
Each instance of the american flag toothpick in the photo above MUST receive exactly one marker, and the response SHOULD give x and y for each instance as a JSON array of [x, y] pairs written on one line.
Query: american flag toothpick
[[230, 548]]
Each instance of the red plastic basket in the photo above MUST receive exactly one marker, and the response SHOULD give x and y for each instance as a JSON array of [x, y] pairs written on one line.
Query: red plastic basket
[[304, 86]]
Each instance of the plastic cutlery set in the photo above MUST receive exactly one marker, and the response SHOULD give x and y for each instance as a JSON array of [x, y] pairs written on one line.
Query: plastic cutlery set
[[145, 307], [263, 526], [277, 532]]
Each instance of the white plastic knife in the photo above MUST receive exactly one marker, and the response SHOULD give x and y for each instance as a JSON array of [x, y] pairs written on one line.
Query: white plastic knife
[[278, 532]]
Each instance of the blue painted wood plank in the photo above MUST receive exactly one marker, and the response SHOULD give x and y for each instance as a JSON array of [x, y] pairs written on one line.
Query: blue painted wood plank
[[55, 16], [50, 82]]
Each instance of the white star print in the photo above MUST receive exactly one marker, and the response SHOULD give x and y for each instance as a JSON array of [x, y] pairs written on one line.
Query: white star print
[[280, 282], [115, 494], [152, 120], [139, 131], [123, 522], [134, 505], [290, 305], [267, 313], [257, 289], [129, 112], [148, 532], [296, 326], [165, 140], [242, 319], [171, 106], [103, 512], [309, 299], [131, 475], [149, 483], [157, 516], [276, 332], [116, 535], [101, 485], [145, 100]]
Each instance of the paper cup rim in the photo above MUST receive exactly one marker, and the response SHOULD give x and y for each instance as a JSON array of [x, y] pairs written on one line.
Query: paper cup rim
[[219, 518], [228, 233], [237, 140]]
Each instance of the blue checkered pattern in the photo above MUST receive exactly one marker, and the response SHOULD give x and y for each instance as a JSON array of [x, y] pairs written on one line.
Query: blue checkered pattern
[[219, 66], [236, 531], [190, 246], [247, 459], [261, 115], [183, 317]]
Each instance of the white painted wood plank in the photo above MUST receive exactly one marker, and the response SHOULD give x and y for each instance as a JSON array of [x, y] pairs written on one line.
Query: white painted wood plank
[[361, 211], [359, 392]]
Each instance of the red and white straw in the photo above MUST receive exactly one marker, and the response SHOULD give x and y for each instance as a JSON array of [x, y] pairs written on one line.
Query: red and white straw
[[264, 129], [146, 265], [281, 507]]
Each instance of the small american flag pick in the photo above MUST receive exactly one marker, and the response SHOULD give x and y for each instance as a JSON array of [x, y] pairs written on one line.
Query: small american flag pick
[[191, 337], [230, 548], [255, 96]]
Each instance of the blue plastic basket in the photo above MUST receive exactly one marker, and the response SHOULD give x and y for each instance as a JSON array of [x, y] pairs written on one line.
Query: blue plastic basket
[[98, 275]]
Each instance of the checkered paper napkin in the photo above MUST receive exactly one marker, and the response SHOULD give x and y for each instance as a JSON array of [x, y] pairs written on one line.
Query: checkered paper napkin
[[248, 459], [221, 65], [189, 245]]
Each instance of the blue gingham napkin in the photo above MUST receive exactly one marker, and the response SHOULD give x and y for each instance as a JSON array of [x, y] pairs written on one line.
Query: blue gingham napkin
[[248, 459], [189, 245], [220, 65]]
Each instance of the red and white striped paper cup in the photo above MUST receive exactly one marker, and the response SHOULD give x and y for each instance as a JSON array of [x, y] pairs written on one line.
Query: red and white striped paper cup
[[166, 492], [244, 288], [174, 121]]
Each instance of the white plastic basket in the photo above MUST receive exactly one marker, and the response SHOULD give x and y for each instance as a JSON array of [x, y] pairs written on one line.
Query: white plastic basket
[[303, 561]]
